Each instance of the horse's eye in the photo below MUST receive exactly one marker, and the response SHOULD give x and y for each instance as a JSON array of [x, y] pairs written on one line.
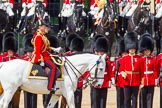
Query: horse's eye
[[101, 69]]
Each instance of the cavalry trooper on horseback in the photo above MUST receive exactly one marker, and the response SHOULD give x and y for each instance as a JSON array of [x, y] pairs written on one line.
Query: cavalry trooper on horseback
[[67, 11], [29, 10], [97, 10], [41, 54], [7, 6]]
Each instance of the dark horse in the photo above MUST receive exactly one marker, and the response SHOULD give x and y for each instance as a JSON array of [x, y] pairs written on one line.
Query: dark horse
[[107, 25], [77, 23], [29, 23], [7, 23], [140, 21], [158, 34]]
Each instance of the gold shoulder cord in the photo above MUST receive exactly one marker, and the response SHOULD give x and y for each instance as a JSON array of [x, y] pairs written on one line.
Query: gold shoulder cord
[[46, 41]]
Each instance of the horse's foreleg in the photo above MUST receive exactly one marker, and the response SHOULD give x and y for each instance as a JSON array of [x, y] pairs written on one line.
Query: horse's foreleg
[[70, 99], [53, 101], [8, 94]]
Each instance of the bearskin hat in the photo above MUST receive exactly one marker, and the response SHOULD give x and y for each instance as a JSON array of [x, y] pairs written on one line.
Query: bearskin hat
[[77, 44], [1, 37], [53, 41], [121, 46], [69, 38], [9, 42], [102, 44], [131, 41], [27, 45], [94, 41], [146, 42]]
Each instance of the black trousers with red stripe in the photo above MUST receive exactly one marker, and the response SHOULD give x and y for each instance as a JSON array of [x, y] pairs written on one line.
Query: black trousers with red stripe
[[51, 74]]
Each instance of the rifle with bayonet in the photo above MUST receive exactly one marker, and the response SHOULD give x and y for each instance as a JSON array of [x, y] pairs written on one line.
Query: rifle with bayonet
[[116, 69]]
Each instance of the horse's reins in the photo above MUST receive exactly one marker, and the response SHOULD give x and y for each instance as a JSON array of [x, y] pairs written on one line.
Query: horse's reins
[[85, 78]]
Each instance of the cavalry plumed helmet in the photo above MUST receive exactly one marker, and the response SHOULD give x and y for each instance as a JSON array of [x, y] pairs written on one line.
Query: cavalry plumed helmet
[[146, 42], [77, 44], [131, 41], [102, 44], [27, 45]]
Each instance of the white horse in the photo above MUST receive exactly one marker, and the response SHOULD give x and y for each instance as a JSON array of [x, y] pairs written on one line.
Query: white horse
[[13, 74]]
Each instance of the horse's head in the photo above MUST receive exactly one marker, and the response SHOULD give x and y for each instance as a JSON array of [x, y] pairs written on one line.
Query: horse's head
[[140, 19], [97, 72], [108, 15]]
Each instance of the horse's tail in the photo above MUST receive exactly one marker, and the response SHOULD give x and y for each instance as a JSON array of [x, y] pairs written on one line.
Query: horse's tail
[[1, 89]]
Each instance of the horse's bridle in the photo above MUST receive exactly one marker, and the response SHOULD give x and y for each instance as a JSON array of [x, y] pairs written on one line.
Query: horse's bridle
[[90, 81]]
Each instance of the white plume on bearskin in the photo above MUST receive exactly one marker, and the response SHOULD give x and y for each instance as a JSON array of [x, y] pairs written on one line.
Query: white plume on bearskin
[[146, 42], [131, 41]]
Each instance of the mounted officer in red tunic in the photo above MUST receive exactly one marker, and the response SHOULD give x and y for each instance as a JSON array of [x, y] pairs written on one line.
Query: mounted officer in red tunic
[[41, 54]]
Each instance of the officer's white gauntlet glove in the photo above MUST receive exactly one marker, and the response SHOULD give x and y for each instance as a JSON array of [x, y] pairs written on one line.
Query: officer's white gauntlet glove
[[124, 75], [58, 50]]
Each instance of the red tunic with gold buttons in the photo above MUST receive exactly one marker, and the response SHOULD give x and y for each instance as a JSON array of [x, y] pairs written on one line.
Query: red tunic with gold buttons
[[119, 79], [159, 65], [41, 48], [8, 58], [149, 70], [132, 66]]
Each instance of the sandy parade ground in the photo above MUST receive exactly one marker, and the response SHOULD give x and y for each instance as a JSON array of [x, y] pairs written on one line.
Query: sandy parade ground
[[111, 100]]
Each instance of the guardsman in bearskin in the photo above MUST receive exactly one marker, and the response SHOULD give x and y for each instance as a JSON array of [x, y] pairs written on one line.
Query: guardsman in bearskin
[[30, 99], [10, 49], [131, 70], [146, 47], [41, 54], [99, 94], [116, 77], [159, 71], [76, 45]]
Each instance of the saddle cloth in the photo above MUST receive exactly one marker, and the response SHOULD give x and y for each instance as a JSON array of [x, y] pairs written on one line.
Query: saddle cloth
[[37, 72]]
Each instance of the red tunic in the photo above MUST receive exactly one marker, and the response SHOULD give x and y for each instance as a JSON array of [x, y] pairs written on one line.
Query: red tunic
[[119, 79], [8, 58], [157, 1], [26, 58], [30, 1], [149, 70], [132, 66], [41, 48], [93, 3], [159, 65]]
